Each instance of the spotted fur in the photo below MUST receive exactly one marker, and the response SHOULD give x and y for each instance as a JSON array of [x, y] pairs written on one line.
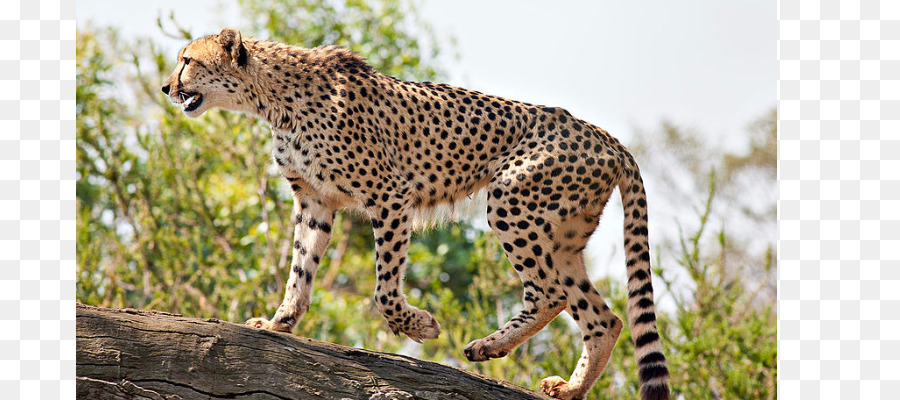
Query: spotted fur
[[347, 136]]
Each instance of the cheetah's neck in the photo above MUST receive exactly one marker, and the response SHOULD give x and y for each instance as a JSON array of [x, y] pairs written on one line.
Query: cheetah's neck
[[291, 83]]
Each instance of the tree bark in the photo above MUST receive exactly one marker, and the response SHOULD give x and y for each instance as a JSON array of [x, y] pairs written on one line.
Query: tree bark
[[150, 355]]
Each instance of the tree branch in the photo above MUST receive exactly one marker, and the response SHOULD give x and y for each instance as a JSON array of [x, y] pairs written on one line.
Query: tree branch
[[131, 354]]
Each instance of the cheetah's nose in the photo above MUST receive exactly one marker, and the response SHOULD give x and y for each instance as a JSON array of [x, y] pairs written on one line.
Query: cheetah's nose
[[165, 89]]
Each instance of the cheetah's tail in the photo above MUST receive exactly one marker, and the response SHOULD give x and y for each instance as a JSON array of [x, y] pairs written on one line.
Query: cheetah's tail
[[651, 363]]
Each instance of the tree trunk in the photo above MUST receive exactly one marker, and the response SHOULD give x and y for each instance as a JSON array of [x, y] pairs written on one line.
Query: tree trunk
[[149, 355]]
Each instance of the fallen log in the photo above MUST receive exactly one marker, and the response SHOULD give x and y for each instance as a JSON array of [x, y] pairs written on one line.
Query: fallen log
[[151, 355]]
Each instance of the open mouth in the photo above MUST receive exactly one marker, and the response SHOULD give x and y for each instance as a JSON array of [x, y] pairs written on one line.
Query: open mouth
[[190, 102]]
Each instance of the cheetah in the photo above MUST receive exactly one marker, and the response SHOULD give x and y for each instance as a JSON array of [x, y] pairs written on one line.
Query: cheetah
[[348, 137]]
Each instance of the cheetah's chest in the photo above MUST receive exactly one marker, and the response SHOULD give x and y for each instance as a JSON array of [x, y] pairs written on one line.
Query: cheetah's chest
[[316, 163], [298, 159]]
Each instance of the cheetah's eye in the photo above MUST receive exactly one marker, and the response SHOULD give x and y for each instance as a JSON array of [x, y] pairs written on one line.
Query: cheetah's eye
[[187, 61]]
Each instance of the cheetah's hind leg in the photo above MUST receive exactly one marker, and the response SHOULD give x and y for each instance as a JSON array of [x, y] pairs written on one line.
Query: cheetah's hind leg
[[524, 238], [599, 326]]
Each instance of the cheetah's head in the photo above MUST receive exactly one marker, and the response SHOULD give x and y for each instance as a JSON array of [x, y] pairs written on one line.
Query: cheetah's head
[[208, 73]]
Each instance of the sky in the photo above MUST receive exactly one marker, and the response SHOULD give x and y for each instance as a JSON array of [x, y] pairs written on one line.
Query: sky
[[622, 65]]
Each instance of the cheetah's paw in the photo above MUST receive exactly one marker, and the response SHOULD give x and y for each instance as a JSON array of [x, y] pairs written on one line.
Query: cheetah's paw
[[421, 326], [483, 350], [263, 323], [558, 388]]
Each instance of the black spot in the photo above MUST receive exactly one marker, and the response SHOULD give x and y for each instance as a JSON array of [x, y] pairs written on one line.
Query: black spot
[[639, 275], [584, 286]]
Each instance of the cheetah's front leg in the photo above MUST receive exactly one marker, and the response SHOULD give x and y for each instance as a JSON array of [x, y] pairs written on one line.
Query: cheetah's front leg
[[392, 231], [312, 230]]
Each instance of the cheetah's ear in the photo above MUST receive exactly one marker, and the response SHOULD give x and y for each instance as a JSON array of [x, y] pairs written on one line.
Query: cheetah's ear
[[230, 39]]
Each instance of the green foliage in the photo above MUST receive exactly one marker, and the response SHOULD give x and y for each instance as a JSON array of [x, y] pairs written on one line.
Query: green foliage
[[190, 216], [389, 33], [727, 349]]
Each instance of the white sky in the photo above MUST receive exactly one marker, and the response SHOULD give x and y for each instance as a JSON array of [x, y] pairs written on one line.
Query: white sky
[[622, 65]]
